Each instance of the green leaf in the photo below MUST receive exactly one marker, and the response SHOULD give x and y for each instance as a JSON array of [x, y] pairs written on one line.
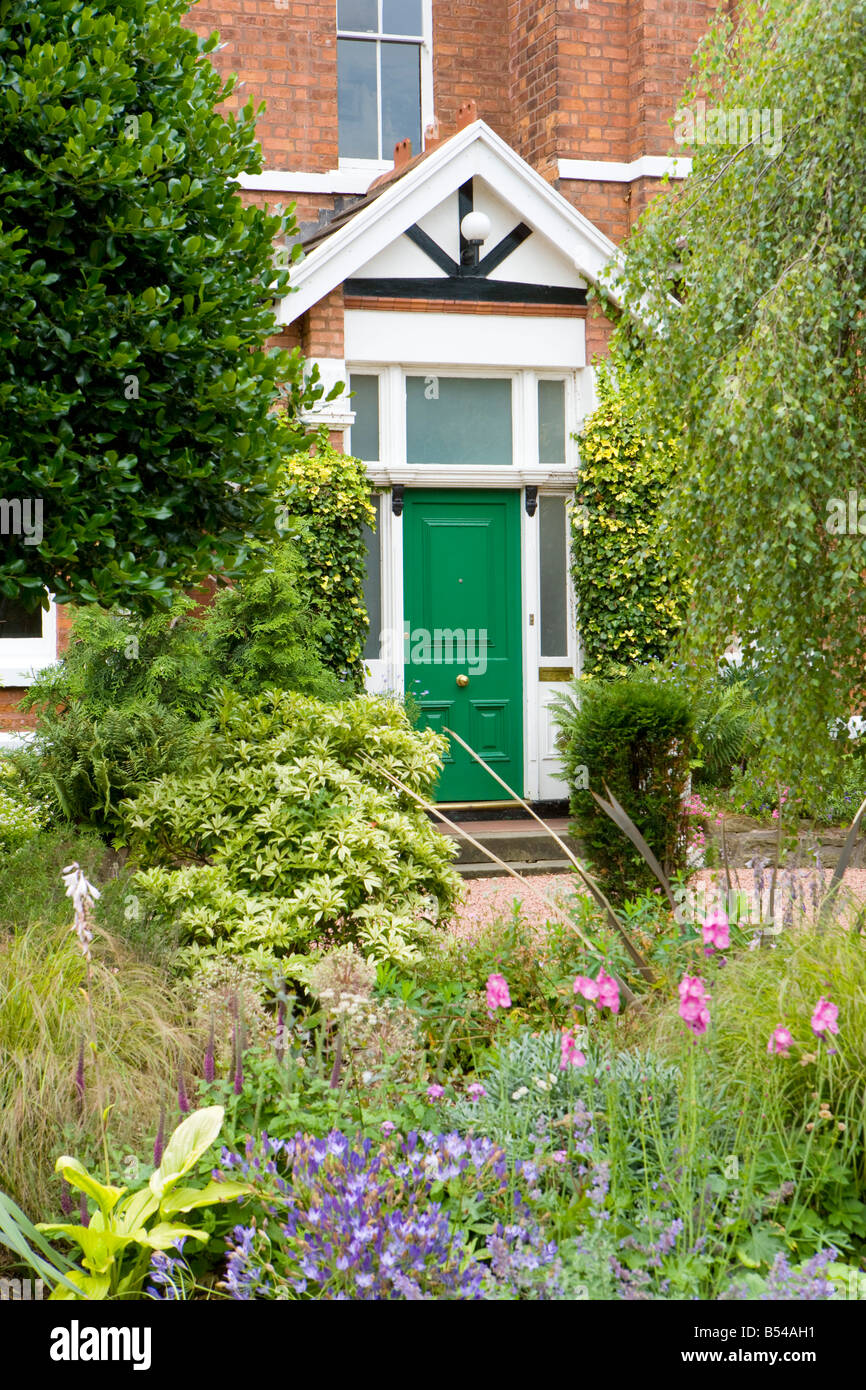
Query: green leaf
[[187, 1198], [77, 1176], [167, 1233], [190, 1140]]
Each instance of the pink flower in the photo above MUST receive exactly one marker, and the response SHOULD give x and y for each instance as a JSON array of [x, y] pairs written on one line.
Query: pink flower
[[570, 1054], [780, 1042], [585, 986], [388, 1127], [716, 932], [608, 992], [693, 1003], [435, 1092], [475, 1091], [603, 989], [559, 1156], [824, 1018], [497, 993]]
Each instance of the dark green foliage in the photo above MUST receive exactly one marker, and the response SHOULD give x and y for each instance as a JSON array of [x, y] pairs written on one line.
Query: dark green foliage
[[136, 399], [727, 726], [265, 633], [85, 764], [115, 657], [130, 700], [633, 736]]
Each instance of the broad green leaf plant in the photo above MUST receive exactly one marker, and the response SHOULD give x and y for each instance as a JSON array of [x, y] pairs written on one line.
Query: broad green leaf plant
[[117, 1245]]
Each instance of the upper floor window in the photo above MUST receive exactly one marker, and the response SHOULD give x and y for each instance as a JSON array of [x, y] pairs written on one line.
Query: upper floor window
[[379, 76]]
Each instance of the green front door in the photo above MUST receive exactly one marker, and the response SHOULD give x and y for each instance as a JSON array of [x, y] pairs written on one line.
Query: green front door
[[462, 631]]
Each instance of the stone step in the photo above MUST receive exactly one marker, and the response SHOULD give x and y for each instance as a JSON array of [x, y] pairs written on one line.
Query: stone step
[[539, 866], [522, 844]]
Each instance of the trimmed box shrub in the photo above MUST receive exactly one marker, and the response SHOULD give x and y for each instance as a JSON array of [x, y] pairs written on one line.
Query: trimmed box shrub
[[633, 736]]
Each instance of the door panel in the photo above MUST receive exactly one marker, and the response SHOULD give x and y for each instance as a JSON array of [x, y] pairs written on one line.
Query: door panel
[[462, 616]]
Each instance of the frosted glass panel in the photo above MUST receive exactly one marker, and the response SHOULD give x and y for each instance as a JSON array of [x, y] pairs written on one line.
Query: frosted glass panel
[[373, 585], [551, 422], [365, 403], [356, 97], [458, 420], [554, 577]]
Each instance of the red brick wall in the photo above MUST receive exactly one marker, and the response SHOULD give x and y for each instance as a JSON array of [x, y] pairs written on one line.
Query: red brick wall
[[11, 717], [582, 79], [471, 57], [663, 37], [534, 63], [64, 626], [286, 55]]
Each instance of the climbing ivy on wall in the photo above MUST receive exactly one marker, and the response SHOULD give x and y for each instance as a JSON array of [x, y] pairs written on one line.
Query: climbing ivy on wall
[[325, 500], [631, 591]]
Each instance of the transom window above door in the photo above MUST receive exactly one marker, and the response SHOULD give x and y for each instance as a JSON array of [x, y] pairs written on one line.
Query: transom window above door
[[447, 419], [380, 74], [459, 419]]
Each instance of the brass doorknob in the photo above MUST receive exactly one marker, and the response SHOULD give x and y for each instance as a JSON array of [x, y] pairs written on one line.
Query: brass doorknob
[[462, 681]]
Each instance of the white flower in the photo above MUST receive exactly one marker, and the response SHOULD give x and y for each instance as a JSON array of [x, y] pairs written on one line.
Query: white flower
[[542, 1085], [520, 1093], [366, 1077]]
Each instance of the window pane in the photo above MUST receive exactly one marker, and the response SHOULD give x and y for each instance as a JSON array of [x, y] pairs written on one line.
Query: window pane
[[356, 96], [365, 403], [554, 577], [401, 96], [18, 621], [373, 586], [551, 422], [458, 420], [401, 17], [360, 16]]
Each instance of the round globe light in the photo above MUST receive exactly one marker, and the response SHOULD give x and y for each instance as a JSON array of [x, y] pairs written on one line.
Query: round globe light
[[475, 227]]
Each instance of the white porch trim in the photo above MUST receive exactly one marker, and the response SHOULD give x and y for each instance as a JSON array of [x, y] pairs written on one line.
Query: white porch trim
[[474, 151]]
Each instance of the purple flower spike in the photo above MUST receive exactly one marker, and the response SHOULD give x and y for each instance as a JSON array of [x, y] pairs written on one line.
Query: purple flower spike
[[159, 1142], [65, 1198], [209, 1063], [182, 1097], [79, 1076], [83, 1213]]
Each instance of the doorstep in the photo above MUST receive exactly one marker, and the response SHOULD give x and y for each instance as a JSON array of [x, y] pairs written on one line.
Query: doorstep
[[522, 844]]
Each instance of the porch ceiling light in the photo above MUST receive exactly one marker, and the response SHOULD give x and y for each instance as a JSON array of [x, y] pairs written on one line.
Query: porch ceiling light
[[475, 228]]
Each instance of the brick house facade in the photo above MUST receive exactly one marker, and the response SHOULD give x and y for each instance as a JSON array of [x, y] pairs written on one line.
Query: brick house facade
[[468, 359]]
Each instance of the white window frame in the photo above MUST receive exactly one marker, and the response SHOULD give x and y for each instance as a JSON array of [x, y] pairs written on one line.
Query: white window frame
[[424, 42], [392, 467], [21, 658]]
